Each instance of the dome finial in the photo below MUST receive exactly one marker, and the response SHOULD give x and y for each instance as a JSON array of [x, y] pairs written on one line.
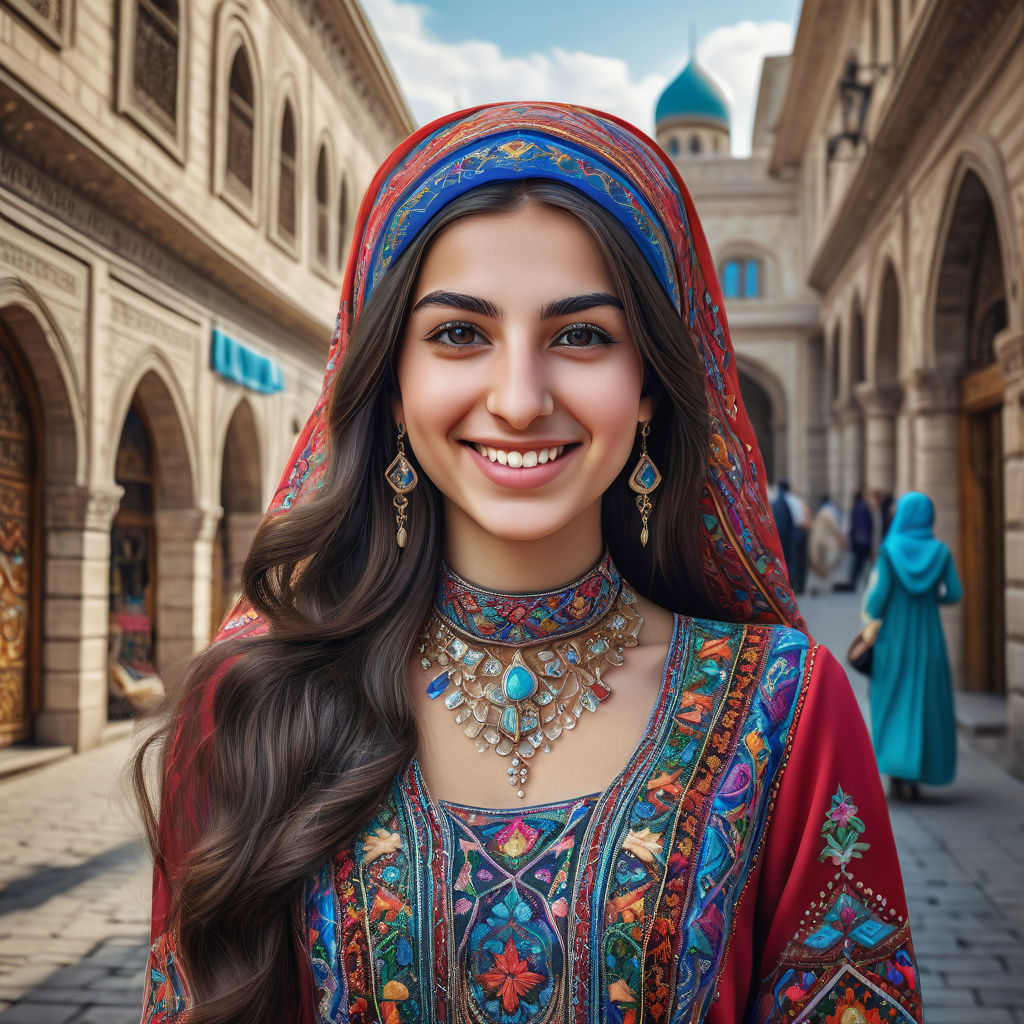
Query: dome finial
[[693, 40]]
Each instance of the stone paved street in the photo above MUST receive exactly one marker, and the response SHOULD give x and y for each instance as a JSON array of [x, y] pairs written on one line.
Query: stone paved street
[[74, 904]]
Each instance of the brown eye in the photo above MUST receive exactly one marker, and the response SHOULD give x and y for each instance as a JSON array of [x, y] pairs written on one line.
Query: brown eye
[[582, 336], [456, 335]]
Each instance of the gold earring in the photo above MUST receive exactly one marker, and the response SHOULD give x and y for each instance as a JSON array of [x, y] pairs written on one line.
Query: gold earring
[[644, 479], [402, 478]]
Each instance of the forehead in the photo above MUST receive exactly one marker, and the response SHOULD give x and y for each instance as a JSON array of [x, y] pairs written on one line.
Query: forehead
[[536, 249]]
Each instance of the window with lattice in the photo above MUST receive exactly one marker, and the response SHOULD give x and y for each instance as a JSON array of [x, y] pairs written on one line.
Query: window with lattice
[[286, 176], [238, 178], [155, 60], [322, 209]]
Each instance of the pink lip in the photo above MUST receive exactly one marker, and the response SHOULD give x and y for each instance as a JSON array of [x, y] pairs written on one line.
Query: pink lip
[[521, 479]]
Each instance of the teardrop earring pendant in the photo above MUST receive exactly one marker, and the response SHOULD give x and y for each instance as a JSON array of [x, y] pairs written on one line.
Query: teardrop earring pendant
[[401, 478], [643, 480]]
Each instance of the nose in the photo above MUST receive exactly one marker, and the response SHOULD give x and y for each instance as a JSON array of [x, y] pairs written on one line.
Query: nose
[[519, 391]]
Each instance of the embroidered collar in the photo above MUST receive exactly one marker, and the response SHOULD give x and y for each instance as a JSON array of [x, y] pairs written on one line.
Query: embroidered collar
[[520, 619]]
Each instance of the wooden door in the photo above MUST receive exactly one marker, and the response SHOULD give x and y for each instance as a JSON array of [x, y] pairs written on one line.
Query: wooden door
[[983, 531], [20, 570]]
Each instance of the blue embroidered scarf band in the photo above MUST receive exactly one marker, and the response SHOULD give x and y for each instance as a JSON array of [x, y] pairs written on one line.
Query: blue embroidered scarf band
[[519, 669]]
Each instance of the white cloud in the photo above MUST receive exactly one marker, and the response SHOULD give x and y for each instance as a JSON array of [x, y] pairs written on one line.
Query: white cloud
[[438, 76], [733, 55]]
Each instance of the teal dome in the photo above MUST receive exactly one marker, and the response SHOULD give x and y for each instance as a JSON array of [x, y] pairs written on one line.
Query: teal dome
[[693, 93]]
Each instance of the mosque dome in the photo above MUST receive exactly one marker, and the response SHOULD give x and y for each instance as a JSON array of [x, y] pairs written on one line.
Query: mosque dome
[[693, 95]]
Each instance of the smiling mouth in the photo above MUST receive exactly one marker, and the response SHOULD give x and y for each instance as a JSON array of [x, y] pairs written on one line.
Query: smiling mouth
[[516, 459]]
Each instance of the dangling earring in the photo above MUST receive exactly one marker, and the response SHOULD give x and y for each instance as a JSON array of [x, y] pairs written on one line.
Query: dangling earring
[[644, 479], [402, 479]]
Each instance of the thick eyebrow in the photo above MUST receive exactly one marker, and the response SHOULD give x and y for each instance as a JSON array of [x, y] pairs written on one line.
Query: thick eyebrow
[[456, 300], [579, 303]]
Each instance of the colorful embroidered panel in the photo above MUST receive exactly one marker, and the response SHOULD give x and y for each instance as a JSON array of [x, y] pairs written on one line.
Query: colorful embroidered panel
[[165, 996], [510, 907], [597, 910], [852, 959]]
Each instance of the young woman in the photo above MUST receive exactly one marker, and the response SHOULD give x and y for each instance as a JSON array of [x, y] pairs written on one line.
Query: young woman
[[513, 724], [913, 723]]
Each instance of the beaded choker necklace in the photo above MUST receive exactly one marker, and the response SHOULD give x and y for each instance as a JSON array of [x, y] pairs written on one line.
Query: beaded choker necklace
[[519, 669]]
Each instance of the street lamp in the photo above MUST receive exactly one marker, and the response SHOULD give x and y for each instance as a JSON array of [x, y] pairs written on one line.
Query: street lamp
[[854, 97]]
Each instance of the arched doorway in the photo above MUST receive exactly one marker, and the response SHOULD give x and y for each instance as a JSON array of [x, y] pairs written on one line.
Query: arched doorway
[[240, 497], [20, 546], [970, 309], [768, 424], [133, 575]]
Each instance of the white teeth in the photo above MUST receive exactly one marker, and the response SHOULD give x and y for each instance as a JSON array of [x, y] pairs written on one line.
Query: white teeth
[[519, 460]]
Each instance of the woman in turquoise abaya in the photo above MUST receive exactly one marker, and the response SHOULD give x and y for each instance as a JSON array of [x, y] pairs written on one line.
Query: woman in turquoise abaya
[[912, 718]]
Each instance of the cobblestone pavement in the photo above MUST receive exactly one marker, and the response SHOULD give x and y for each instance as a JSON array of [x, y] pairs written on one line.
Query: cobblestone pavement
[[74, 904]]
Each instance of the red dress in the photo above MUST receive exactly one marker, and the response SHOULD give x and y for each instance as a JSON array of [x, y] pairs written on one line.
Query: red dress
[[741, 867]]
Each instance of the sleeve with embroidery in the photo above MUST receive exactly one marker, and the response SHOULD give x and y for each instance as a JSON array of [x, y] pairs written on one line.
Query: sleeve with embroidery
[[165, 999], [830, 903]]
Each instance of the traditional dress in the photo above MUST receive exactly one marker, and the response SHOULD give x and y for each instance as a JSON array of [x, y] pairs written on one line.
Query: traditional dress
[[912, 719], [740, 866]]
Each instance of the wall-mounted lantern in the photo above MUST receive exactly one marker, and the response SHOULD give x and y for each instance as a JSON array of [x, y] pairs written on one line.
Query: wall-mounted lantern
[[854, 98]]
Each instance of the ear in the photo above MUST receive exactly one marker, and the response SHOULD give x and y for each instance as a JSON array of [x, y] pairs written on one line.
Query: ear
[[647, 404], [397, 409]]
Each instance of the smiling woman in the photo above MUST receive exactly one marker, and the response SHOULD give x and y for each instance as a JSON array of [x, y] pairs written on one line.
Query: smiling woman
[[516, 722]]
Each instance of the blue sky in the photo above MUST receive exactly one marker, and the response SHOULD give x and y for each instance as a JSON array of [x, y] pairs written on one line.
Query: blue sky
[[618, 57]]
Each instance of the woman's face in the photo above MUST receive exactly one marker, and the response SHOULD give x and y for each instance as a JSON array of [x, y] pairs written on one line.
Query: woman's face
[[520, 383]]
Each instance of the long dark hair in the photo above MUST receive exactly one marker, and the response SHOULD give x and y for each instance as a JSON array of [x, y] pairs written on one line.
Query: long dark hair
[[311, 722]]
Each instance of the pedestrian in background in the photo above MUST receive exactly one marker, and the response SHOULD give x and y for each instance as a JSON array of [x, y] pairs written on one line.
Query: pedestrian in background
[[862, 530], [783, 516], [800, 513], [825, 547], [911, 693]]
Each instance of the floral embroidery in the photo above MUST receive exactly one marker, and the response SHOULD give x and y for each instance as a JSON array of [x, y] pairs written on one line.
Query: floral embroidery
[[510, 978], [842, 831]]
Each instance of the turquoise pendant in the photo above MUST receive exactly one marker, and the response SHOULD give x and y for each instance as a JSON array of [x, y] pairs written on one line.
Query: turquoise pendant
[[518, 682]]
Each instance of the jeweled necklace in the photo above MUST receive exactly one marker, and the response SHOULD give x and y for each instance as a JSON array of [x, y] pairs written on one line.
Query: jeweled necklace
[[519, 669]]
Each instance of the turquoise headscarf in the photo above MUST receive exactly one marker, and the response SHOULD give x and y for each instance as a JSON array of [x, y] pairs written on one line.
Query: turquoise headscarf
[[916, 556]]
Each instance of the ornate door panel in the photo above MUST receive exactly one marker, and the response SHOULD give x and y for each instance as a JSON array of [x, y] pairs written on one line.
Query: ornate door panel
[[16, 561]]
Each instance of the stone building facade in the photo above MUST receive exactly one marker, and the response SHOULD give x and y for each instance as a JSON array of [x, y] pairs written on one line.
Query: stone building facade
[[177, 188], [773, 314], [887, 184], [915, 227]]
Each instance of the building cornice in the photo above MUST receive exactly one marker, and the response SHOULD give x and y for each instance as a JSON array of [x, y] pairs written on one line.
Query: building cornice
[[809, 75], [941, 60]]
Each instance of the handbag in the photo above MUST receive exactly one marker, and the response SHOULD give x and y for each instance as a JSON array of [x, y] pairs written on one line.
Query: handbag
[[861, 652]]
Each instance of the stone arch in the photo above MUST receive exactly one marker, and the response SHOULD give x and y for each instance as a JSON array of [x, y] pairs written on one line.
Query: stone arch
[[764, 398], [971, 298], [979, 164], [162, 402], [241, 500], [884, 359], [855, 364], [47, 352]]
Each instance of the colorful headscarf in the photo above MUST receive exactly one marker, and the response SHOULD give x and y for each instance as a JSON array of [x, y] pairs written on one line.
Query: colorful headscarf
[[619, 168]]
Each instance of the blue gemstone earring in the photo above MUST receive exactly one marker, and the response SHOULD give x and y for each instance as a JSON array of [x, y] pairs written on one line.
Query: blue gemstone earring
[[402, 478], [644, 479]]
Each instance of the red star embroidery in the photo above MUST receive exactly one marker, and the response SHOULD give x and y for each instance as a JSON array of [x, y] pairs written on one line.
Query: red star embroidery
[[510, 978]]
